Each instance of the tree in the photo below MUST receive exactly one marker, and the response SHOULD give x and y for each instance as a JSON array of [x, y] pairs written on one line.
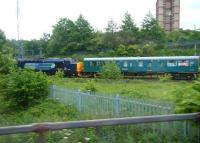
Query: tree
[[151, 31], [44, 40], [129, 31], [85, 34], [110, 39], [61, 40], [2, 39], [69, 37], [7, 62], [24, 88]]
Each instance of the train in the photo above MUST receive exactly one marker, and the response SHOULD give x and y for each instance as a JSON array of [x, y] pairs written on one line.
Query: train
[[177, 66]]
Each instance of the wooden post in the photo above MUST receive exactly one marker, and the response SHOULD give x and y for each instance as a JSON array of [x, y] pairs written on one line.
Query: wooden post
[[41, 129], [40, 138]]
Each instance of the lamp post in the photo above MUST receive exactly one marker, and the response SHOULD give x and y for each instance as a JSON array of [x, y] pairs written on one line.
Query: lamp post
[[21, 50]]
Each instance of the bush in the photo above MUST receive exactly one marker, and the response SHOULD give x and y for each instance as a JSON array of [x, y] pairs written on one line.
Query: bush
[[188, 99], [110, 71], [7, 63], [59, 73], [165, 77], [90, 86], [24, 88]]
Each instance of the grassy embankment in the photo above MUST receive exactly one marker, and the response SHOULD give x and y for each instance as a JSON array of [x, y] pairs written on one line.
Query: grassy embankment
[[148, 89], [53, 111]]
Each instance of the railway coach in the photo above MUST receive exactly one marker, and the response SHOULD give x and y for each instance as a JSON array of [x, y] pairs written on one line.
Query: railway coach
[[177, 66]]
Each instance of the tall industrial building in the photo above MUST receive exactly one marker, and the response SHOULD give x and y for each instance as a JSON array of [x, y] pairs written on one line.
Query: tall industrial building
[[168, 14]]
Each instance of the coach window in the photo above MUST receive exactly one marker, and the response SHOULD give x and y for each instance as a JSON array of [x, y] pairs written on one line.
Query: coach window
[[131, 64], [192, 63], [150, 64], [140, 64], [183, 63], [171, 63], [93, 63], [125, 64]]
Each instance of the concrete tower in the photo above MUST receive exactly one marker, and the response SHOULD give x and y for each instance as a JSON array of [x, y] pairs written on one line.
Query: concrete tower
[[168, 14]]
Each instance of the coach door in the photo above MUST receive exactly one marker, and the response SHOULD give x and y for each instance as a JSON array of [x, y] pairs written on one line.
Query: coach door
[[149, 66]]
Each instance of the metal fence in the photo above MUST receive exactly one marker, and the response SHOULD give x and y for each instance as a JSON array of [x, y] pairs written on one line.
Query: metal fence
[[110, 105], [106, 130]]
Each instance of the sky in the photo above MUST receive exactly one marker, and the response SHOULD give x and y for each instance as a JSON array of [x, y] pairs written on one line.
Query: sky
[[38, 16]]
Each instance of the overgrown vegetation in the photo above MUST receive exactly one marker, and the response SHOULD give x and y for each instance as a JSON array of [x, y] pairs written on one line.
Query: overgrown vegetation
[[90, 86], [59, 73], [187, 98], [22, 89], [110, 71], [165, 77]]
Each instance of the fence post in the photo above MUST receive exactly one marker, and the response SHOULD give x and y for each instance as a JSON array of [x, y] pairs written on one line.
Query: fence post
[[117, 105], [41, 138], [79, 101], [53, 92], [198, 123]]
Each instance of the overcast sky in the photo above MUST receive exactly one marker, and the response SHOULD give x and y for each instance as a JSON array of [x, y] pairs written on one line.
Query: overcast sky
[[38, 16]]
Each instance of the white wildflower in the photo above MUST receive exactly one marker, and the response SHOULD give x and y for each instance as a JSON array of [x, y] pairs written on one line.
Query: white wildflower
[[87, 139], [65, 137]]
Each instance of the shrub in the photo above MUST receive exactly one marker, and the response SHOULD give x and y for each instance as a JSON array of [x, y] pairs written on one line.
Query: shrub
[[110, 71], [24, 88], [165, 77], [59, 73], [7, 63], [188, 99], [90, 86]]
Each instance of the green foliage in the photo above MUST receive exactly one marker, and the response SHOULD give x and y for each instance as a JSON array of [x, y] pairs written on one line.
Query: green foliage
[[131, 50], [187, 99], [2, 39], [24, 88], [129, 31], [90, 86], [7, 63], [134, 93], [111, 37], [110, 71], [69, 36], [151, 31], [165, 77], [59, 74]]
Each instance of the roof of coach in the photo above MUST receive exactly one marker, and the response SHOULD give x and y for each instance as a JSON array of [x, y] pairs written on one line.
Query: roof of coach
[[142, 58]]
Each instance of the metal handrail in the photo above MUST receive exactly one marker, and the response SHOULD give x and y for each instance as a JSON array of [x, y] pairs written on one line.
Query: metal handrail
[[51, 126]]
